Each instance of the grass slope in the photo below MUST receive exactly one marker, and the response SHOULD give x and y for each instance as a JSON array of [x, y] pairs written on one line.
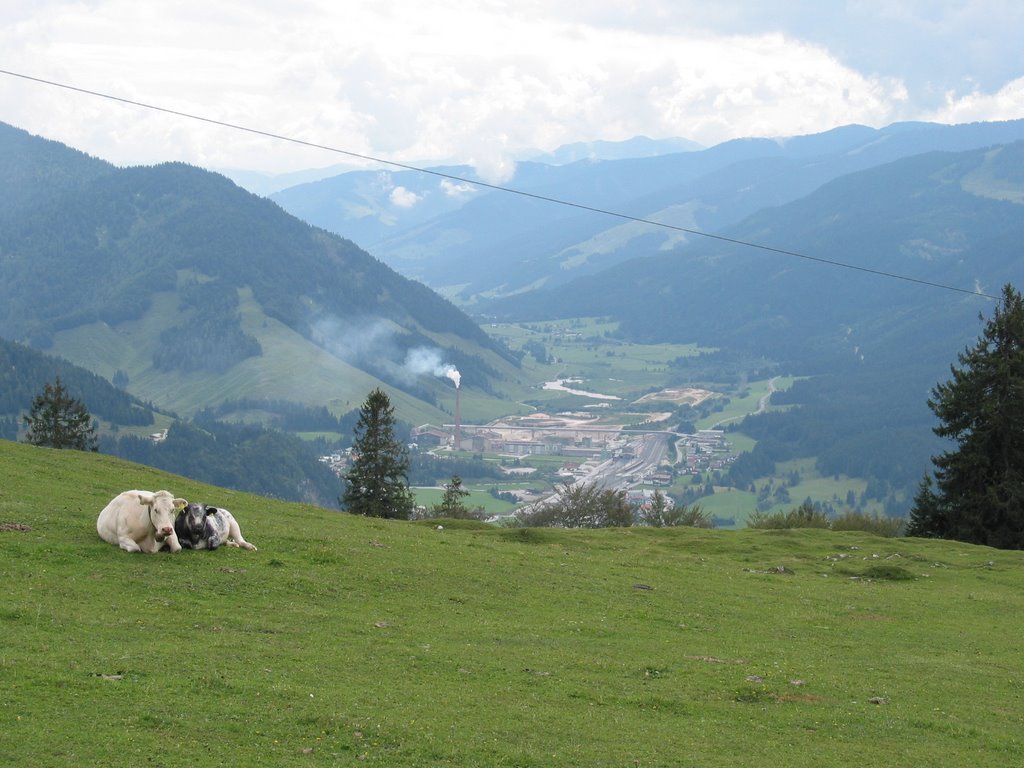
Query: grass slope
[[290, 367], [347, 641]]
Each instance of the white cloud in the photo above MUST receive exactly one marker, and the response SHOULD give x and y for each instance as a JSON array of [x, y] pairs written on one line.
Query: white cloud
[[456, 189], [458, 81], [1006, 104], [403, 198]]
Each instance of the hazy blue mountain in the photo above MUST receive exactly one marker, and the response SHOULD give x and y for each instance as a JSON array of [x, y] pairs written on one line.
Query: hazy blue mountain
[[952, 218], [488, 243], [363, 206], [266, 184], [638, 146], [369, 206], [201, 291]]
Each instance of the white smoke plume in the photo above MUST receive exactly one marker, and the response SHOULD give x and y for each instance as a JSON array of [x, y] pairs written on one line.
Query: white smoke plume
[[426, 361], [356, 339], [375, 340]]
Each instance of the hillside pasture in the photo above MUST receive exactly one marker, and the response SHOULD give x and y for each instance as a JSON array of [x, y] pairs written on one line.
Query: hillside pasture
[[752, 401], [350, 641]]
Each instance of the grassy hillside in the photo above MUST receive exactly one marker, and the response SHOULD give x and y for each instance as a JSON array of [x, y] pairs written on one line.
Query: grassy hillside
[[291, 367], [359, 642]]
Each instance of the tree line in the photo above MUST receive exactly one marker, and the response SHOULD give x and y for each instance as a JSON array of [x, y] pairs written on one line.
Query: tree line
[[25, 371], [245, 457]]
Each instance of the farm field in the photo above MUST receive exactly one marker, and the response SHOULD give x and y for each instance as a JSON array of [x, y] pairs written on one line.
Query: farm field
[[350, 641], [580, 349], [478, 497]]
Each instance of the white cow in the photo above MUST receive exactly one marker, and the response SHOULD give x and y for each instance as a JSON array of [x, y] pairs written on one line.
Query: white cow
[[140, 521]]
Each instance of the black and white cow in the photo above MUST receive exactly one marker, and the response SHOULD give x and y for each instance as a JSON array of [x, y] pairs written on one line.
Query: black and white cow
[[201, 527]]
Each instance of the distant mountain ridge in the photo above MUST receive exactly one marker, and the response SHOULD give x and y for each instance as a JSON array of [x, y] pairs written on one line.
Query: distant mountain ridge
[[952, 218], [486, 244], [638, 146]]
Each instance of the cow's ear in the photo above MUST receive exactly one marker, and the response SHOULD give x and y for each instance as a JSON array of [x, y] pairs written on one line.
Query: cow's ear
[[180, 503], [211, 511], [146, 498]]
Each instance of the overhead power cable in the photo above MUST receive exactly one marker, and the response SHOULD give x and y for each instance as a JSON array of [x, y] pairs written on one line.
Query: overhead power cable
[[496, 187]]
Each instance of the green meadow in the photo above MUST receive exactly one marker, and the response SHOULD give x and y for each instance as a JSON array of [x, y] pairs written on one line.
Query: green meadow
[[477, 498], [580, 348], [351, 641]]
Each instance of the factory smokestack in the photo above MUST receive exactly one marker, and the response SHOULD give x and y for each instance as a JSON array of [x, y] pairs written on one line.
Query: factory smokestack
[[451, 372], [458, 420]]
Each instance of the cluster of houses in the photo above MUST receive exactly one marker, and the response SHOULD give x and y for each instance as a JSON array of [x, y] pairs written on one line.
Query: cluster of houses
[[338, 463], [642, 500], [707, 450]]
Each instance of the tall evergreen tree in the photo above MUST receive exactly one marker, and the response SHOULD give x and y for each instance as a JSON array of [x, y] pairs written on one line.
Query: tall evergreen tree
[[57, 420], [978, 493], [377, 484]]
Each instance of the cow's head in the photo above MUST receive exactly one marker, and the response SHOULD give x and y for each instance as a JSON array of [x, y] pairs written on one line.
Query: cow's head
[[162, 508], [192, 519]]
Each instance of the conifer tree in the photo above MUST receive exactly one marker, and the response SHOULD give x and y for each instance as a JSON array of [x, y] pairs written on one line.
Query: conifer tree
[[978, 492], [452, 504], [377, 484], [57, 420]]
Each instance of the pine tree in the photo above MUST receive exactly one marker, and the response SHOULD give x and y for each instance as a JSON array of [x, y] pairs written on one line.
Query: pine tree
[[57, 420], [451, 503], [978, 493], [377, 484]]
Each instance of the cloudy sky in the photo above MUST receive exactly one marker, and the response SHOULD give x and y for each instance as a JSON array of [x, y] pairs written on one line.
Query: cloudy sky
[[455, 80]]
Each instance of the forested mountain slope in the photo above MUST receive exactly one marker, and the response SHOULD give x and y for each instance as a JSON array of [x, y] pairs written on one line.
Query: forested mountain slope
[[25, 371], [185, 281]]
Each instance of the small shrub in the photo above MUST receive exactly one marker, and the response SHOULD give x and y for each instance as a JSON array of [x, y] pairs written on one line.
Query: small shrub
[[581, 505], [659, 514], [804, 516], [693, 517], [889, 527]]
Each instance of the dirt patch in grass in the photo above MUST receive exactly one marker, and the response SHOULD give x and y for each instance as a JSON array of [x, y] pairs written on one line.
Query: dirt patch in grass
[[679, 395], [14, 527]]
